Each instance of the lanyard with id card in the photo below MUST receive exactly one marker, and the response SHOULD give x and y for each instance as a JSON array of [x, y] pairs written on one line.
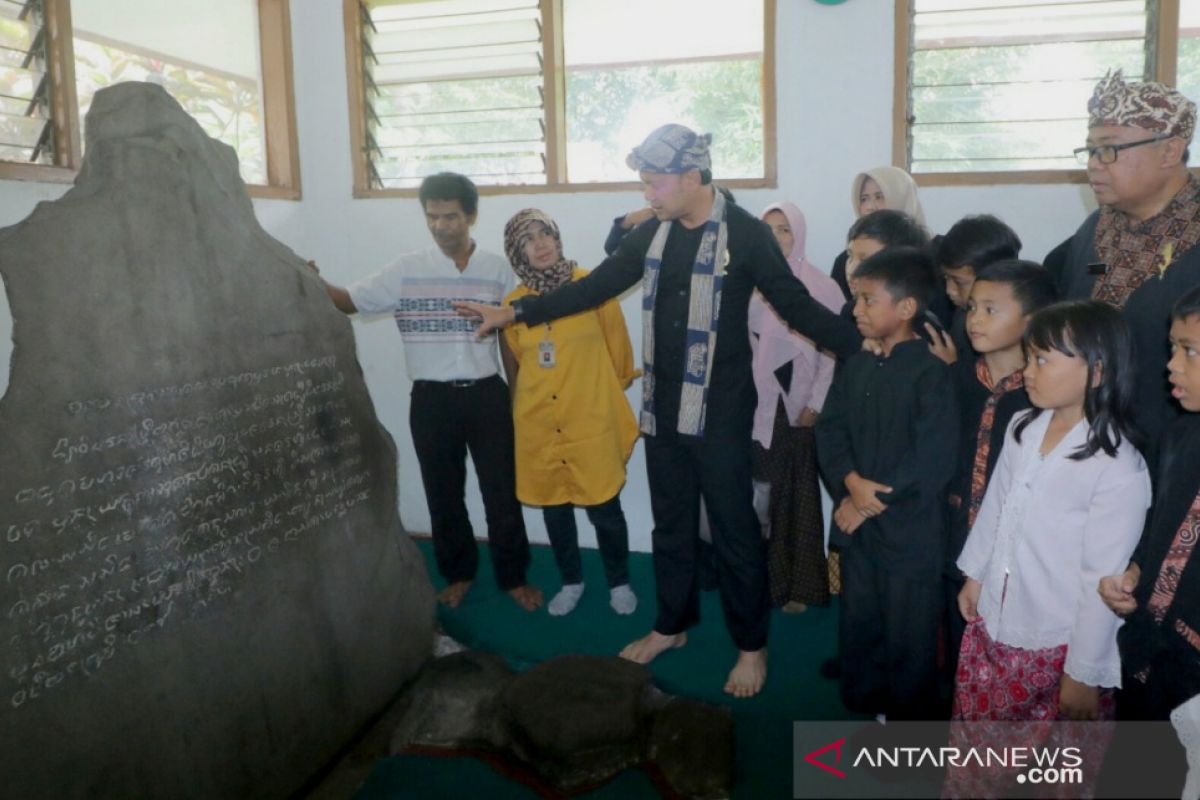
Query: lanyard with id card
[[546, 351]]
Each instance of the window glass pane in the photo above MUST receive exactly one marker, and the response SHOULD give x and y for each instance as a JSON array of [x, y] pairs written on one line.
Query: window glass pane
[[454, 85], [25, 126], [1188, 74], [1001, 85], [623, 80], [204, 52]]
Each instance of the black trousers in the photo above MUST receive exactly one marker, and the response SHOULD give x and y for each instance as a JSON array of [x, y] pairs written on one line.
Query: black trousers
[[612, 536], [888, 630], [680, 470], [447, 421]]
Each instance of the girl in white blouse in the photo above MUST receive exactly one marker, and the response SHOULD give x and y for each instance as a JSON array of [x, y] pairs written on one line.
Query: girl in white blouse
[[1065, 507]]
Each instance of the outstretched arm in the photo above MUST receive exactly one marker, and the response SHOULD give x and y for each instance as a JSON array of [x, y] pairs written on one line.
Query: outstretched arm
[[800, 310], [614, 275], [339, 296]]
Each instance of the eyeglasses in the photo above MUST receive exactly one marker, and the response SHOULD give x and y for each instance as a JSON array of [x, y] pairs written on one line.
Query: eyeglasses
[[1107, 153]]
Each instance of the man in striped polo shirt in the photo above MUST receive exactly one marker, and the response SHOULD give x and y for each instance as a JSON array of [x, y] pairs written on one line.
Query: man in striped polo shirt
[[459, 401]]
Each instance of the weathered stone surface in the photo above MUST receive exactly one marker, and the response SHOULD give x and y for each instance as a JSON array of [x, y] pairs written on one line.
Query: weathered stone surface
[[578, 719], [575, 721], [692, 743], [205, 589], [452, 703]]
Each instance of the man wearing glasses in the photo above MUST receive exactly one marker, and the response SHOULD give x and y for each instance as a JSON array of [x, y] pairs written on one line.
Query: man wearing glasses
[[1138, 251]]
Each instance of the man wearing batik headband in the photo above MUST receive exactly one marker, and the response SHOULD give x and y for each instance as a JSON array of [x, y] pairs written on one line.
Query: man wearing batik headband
[[1138, 251], [699, 260]]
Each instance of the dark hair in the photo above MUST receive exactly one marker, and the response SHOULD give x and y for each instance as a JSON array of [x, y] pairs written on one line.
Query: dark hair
[[889, 228], [1096, 332], [977, 241], [705, 177], [728, 195], [450, 186], [1031, 283], [1187, 306], [904, 272]]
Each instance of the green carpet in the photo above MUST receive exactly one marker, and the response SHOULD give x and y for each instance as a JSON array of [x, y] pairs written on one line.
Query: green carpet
[[489, 620]]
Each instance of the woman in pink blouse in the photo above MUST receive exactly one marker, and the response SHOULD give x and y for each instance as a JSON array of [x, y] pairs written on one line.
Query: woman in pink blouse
[[791, 377]]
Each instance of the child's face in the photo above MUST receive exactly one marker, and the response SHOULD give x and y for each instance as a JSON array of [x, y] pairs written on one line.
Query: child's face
[[1184, 367], [783, 231], [858, 251], [995, 320], [878, 315], [1055, 380], [959, 281]]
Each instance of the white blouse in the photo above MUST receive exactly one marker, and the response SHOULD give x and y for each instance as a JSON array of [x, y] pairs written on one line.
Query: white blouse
[[1053, 527]]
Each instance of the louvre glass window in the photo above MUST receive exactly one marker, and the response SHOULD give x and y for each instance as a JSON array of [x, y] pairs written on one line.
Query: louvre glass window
[[623, 80], [453, 85], [203, 52], [26, 126], [540, 93], [1003, 85], [1188, 69]]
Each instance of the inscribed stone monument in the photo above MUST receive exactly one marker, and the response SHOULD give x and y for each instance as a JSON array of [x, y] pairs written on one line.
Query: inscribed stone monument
[[205, 589]]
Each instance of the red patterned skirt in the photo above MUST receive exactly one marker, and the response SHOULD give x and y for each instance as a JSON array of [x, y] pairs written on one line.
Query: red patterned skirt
[[999, 683]]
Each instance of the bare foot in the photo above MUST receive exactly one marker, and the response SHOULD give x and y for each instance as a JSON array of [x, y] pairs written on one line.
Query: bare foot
[[527, 597], [453, 594], [748, 674], [647, 648]]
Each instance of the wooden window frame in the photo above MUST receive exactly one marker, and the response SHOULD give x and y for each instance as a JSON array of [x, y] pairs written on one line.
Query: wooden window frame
[[278, 99], [554, 82], [1162, 57]]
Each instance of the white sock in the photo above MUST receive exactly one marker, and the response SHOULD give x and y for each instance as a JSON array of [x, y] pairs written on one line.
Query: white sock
[[881, 719], [565, 601], [622, 599]]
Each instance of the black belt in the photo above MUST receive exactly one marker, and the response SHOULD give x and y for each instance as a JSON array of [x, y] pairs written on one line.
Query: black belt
[[459, 384]]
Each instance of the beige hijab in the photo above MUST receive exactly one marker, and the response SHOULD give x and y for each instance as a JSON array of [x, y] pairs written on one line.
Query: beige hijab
[[899, 190]]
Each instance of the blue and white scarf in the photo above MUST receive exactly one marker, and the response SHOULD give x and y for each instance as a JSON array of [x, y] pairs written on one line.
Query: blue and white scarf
[[708, 272]]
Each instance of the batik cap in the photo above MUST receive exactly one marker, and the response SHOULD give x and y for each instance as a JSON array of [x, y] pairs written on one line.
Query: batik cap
[[1155, 107], [671, 149]]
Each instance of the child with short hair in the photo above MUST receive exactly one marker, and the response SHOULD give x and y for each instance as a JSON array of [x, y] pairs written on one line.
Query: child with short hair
[[968, 247], [877, 231], [1064, 508], [1159, 593], [991, 390], [885, 442]]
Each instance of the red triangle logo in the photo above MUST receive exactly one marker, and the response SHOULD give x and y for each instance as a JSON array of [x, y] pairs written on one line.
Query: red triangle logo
[[836, 747]]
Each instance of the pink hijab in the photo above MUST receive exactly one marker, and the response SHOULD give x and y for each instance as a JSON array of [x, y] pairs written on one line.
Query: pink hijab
[[784, 343], [776, 343]]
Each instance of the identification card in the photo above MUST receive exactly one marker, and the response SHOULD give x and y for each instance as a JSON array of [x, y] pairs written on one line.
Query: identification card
[[546, 354]]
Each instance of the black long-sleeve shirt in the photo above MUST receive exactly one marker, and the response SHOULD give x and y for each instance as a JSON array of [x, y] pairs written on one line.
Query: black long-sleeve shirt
[[1164, 647], [893, 420], [755, 261]]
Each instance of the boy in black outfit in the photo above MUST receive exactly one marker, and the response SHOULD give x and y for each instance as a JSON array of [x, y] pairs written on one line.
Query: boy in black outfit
[[991, 390], [969, 246], [886, 442]]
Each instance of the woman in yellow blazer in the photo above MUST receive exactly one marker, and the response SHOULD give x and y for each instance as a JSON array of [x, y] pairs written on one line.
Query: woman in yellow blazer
[[574, 427]]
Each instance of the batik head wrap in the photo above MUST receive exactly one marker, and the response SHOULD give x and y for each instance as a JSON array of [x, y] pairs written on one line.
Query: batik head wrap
[[671, 149], [519, 230], [898, 187], [1152, 106]]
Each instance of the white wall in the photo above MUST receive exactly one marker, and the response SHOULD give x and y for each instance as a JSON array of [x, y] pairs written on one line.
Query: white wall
[[834, 78]]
